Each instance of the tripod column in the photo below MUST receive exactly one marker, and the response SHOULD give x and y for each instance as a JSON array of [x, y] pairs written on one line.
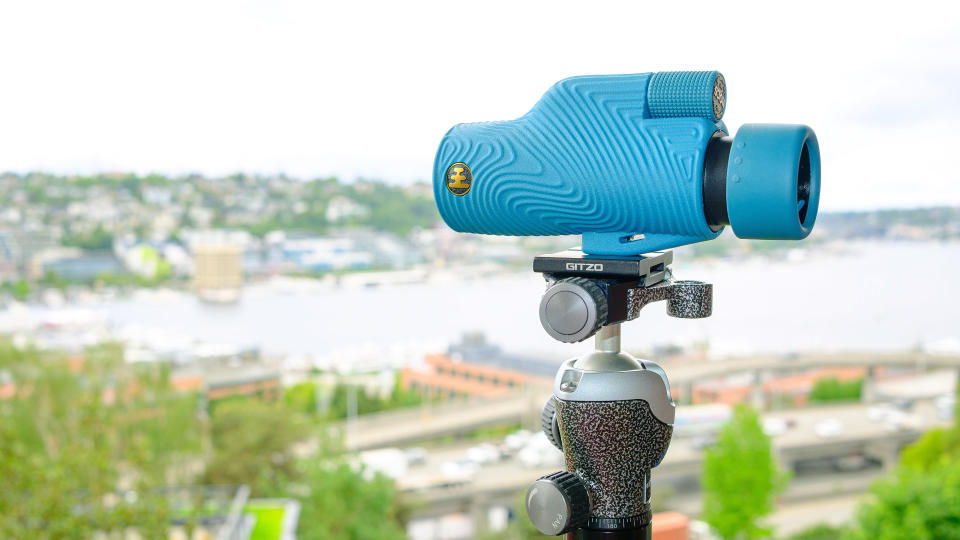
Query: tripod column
[[607, 339]]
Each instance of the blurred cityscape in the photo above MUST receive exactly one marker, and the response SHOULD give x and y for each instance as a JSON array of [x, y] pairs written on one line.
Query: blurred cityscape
[[213, 234], [245, 357]]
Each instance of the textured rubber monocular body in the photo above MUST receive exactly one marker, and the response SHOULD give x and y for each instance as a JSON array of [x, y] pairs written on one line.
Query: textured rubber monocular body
[[619, 159]]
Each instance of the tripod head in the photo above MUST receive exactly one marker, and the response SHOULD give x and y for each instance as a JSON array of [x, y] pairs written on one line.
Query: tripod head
[[610, 413]]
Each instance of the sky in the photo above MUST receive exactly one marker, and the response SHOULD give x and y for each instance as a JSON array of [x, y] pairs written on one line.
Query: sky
[[367, 89]]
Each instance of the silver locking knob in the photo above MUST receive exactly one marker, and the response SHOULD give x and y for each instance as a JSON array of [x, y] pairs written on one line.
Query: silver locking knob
[[573, 309], [558, 503]]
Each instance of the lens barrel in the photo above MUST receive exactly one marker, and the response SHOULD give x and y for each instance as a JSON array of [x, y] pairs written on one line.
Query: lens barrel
[[764, 182]]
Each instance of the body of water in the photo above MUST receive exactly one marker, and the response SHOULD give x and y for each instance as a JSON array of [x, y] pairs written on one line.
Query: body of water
[[879, 295]]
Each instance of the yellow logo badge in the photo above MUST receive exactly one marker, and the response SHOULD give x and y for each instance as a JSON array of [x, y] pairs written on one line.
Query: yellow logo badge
[[459, 179]]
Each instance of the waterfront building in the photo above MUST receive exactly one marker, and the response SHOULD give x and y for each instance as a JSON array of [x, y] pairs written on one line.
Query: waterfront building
[[219, 271]]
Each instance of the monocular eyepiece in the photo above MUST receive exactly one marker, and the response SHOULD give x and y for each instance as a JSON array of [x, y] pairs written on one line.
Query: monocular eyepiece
[[764, 183]]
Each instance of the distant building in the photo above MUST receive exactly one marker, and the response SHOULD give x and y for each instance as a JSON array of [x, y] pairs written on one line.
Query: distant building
[[219, 271], [18, 249], [475, 368], [342, 208], [326, 253], [793, 388], [250, 382], [474, 349], [83, 266], [217, 378]]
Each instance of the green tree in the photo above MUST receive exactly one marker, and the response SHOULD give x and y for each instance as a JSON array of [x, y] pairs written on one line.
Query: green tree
[[740, 478], [21, 290], [98, 239], [832, 389], [85, 444], [921, 500], [936, 447], [89, 443], [340, 504], [302, 398], [915, 504], [253, 443], [819, 532], [367, 404]]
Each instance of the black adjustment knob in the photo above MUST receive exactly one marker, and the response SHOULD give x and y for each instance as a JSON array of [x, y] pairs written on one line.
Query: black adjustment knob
[[558, 503], [549, 424], [573, 309]]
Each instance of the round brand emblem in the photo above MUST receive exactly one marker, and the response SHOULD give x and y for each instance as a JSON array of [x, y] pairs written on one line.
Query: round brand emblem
[[459, 179]]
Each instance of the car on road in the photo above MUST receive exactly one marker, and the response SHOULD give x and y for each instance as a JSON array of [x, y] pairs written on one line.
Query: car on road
[[415, 455], [946, 406], [539, 452], [773, 426], [701, 442], [829, 428], [850, 463], [483, 454], [517, 440], [459, 470]]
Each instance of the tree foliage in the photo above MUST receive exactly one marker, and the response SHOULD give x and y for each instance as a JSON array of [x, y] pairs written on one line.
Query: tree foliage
[[819, 532], [98, 239], [740, 478], [91, 445], [832, 389], [19, 289], [916, 504], [84, 445], [303, 398], [253, 443], [921, 500], [340, 504], [936, 447]]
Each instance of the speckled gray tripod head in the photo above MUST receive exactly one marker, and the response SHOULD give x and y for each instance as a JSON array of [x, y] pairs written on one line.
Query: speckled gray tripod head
[[615, 427], [611, 414]]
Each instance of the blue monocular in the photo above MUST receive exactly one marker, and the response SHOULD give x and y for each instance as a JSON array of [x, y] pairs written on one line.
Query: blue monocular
[[633, 163]]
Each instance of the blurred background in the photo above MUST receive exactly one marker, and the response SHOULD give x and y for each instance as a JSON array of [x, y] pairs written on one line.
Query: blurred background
[[229, 308]]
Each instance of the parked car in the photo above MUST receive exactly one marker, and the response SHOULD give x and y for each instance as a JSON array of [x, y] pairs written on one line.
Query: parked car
[[829, 428], [946, 406], [415, 455], [482, 454], [459, 470], [774, 426]]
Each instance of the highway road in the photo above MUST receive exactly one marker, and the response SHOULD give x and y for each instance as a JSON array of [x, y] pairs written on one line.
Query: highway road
[[406, 427], [503, 480], [434, 421], [683, 373]]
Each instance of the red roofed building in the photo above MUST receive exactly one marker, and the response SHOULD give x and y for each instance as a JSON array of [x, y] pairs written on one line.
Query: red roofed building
[[793, 388], [442, 375]]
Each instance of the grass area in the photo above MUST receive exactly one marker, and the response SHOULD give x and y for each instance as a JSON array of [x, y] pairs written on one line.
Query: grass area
[[269, 521]]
